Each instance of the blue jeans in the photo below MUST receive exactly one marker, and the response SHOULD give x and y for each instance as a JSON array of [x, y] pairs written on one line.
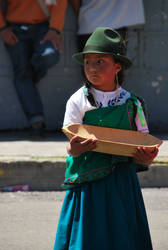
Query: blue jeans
[[31, 61]]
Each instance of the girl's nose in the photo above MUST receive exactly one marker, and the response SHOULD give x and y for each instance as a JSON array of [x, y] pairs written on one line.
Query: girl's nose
[[92, 67]]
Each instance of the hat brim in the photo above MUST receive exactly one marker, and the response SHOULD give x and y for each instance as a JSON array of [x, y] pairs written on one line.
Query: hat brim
[[126, 62]]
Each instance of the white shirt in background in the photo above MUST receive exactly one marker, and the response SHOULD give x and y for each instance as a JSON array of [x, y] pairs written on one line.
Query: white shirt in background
[[109, 13]]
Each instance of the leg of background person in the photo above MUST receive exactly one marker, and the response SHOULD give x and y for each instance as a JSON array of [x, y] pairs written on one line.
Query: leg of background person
[[44, 56], [27, 92], [81, 40]]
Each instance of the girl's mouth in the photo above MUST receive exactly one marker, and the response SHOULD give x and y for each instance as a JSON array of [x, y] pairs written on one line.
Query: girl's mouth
[[94, 76]]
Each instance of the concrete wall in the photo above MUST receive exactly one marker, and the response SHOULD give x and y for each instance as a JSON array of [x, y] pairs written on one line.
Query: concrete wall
[[147, 47]]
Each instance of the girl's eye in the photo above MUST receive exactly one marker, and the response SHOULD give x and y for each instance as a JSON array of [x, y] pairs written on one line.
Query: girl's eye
[[86, 61], [100, 61]]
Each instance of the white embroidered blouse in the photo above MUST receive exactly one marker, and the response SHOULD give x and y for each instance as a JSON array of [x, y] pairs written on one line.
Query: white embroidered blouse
[[78, 104]]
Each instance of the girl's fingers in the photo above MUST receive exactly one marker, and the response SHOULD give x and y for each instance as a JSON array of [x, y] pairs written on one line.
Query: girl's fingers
[[155, 152], [145, 156], [74, 139], [76, 147], [91, 145], [88, 145], [88, 142]]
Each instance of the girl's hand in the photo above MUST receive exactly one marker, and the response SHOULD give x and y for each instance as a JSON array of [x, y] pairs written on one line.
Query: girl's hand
[[75, 147], [143, 156]]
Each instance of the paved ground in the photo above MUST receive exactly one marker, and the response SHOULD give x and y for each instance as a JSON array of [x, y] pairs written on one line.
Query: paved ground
[[29, 219]]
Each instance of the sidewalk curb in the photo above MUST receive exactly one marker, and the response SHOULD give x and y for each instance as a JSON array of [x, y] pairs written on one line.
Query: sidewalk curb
[[48, 174], [39, 175]]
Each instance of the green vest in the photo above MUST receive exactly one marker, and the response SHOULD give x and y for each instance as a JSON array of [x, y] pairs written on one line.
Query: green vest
[[90, 166]]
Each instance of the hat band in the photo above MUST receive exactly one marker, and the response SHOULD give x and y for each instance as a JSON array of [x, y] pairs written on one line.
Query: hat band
[[100, 49]]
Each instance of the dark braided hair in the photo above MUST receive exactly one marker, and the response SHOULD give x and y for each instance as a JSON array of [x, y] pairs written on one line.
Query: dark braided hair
[[88, 92]]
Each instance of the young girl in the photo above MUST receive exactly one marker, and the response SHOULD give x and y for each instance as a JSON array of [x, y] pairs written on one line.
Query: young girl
[[103, 207]]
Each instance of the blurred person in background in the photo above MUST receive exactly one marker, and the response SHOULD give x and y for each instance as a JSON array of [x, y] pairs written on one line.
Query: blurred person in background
[[115, 14], [31, 31]]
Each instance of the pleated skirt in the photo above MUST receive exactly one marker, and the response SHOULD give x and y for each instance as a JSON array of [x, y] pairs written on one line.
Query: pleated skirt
[[108, 214]]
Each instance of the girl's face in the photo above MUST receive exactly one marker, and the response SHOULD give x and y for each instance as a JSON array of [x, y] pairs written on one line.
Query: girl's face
[[100, 70]]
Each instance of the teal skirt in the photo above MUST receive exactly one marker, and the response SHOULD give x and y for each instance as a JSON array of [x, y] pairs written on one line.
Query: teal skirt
[[108, 214]]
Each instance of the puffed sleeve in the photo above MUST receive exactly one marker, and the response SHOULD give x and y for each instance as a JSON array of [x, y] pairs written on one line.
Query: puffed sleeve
[[72, 113]]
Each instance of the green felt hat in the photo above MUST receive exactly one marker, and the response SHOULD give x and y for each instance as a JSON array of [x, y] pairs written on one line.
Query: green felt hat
[[105, 41]]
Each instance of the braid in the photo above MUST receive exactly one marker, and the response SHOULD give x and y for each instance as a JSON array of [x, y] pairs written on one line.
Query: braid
[[88, 93]]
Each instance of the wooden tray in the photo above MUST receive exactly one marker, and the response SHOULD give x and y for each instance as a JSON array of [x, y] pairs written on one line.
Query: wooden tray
[[113, 141]]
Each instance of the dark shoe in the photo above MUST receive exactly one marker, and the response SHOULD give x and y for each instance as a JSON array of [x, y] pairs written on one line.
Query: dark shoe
[[38, 130]]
